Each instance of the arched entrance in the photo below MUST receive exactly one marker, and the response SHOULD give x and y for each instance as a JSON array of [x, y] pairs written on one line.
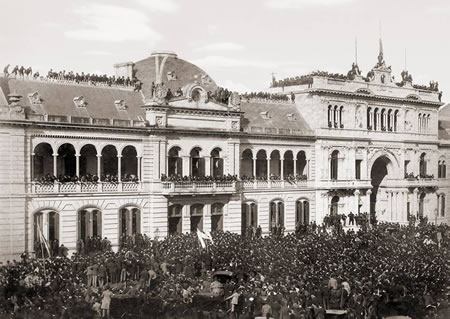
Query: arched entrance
[[378, 174]]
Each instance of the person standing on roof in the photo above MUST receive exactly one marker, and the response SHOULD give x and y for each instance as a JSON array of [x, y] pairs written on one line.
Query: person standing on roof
[[5, 71]]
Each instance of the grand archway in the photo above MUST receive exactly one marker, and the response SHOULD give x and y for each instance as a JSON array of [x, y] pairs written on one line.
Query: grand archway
[[378, 175]]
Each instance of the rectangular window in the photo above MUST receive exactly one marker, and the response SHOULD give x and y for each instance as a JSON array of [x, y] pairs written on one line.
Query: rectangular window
[[358, 169]]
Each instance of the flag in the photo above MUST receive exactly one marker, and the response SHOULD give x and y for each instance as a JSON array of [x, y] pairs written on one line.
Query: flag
[[208, 236], [201, 238]]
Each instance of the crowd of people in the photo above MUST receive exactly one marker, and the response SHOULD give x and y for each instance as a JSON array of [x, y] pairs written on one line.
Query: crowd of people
[[290, 178], [368, 273], [198, 178], [75, 77], [265, 96], [49, 179], [305, 79]]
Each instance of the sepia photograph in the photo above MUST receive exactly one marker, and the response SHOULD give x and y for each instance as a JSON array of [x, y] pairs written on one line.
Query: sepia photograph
[[239, 159]]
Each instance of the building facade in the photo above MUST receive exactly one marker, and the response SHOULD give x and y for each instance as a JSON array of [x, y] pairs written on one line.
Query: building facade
[[335, 146]]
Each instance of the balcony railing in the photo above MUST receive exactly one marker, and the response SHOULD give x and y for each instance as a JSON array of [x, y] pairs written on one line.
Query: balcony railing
[[101, 187], [274, 184], [199, 187], [347, 183]]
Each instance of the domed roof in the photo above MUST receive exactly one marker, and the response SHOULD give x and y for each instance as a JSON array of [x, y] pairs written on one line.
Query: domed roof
[[175, 73]]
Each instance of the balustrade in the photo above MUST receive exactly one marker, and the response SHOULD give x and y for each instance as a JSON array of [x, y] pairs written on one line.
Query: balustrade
[[80, 187]]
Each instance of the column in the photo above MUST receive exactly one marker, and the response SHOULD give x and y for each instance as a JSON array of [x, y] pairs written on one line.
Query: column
[[99, 166], [438, 205], [186, 165], [208, 169], [295, 166], [207, 218], [308, 170], [404, 205], [139, 168], [282, 168], [399, 201], [415, 210], [77, 165], [55, 164], [389, 205], [186, 219], [32, 168], [268, 169], [119, 167], [368, 193], [254, 168], [356, 206]]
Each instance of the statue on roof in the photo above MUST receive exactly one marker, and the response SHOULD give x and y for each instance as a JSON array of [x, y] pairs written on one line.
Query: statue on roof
[[161, 94], [355, 71], [234, 102], [406, 77], [381, 63]]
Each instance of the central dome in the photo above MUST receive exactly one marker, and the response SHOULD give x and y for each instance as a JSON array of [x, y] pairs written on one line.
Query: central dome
[[175, 73]]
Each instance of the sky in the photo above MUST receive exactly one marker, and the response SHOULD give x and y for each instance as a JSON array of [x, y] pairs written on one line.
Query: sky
[[239, 43]]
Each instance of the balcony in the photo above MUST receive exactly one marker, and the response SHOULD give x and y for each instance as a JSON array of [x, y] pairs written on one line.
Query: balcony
[[346, 184], [274, 184], [188, 187], [74, 188]]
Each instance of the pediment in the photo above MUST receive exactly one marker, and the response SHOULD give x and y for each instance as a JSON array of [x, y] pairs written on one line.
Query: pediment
[[201, 105]]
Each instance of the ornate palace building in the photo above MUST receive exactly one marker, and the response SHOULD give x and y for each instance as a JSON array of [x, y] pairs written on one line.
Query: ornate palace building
[[79, 159]]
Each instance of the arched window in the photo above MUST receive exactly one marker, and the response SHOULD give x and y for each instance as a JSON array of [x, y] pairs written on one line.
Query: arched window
[[288, 164], [302, 212], [66, 160], [301, 163], [129, 164], [395, 120], [275, 165], [334, 165], [247, 164], [249, 217], [42, 161], [336, 116], [375, 119], [216, 169], [261, 164], [334, 209], [109, 169], [174, 219], [88, 161], [383, 120], [369, 118], [276, 215], [422, 165], [197, 163], [330, 116], [217, 216], [175, 162], [428, 122], [196, 217], [341, 114], [442, 169], [389, 120], [420, 122], [46, 222], [89, 223], [129, 221]]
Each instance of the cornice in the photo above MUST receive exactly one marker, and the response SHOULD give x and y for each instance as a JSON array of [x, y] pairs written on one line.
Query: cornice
[[375, 97]]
